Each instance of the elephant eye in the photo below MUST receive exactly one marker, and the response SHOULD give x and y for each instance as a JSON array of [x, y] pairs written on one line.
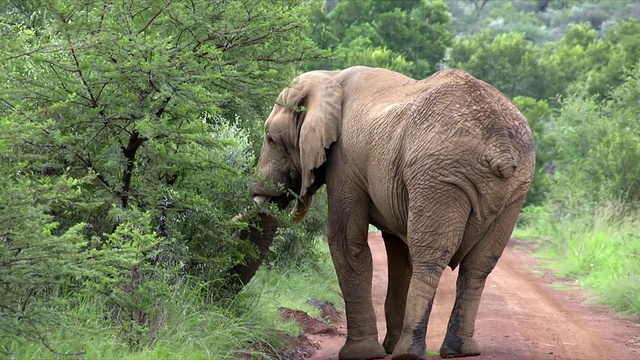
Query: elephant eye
[[270, 140]]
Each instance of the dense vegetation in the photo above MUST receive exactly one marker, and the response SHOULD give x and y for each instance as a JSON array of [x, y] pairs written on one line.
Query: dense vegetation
[[128, 132]]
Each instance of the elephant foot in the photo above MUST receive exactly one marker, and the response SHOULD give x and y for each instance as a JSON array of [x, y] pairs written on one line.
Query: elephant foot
[[390, 342], [408, 357], [455, 346], [409, 348], [366, 349]]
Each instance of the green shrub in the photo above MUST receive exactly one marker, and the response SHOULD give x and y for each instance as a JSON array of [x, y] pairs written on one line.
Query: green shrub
[[295, 245], [538, 114], [589, 219], [599, 247], [188, 326], [596, 146], [126, 138]]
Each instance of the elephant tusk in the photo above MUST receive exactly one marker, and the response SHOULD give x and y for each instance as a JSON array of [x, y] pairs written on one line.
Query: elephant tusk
[[303, 204], [260, 199]]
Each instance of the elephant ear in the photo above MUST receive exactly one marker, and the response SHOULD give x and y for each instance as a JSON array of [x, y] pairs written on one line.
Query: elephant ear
[[320, 123]]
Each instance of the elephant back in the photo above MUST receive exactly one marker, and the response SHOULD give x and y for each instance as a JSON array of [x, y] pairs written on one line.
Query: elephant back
[[472, 114]]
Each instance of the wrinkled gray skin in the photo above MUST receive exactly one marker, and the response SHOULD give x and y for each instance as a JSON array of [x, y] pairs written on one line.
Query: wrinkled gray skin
[[260, 233], [441, 166]]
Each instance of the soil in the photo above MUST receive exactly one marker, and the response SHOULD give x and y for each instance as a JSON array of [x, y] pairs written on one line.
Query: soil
[[525, 313]]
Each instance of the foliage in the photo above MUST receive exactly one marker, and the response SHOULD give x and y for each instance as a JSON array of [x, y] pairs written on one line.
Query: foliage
[[569, 59], [622, 48], [589, 219], [297, 248], [407, 36], [598, 59], [597, 246], [42, 264], [505, 18], [509, 62], [250, 326], [126, 148], [597, 144], [274, 284], [538, 113], [541, 20], [193, 330], [520, 67], [360, 51]]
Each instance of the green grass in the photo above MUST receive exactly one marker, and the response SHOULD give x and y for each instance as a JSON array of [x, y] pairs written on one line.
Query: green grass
[[191, 328], [191, 331], [602, 251], [561, 287], [274, 288]]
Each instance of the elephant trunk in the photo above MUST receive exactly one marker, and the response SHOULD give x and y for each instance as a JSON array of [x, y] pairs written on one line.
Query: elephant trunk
[[261, 231]]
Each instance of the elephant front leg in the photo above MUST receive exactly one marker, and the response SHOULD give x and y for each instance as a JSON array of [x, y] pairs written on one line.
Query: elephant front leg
[[399, 267], [354, 266]]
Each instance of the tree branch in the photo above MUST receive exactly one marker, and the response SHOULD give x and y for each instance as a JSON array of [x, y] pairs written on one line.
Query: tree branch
[[89, 165], [135, 141]]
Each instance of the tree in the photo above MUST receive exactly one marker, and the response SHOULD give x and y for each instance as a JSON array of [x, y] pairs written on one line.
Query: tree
[[506, 18], [585, 57], [617, 52], [509, 62], [568, 60], [413, 32], [596, 145], [148, 109], [479, 5]]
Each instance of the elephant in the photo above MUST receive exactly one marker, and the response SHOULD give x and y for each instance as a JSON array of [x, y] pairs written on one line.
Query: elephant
[[441, 166], [261, 231]]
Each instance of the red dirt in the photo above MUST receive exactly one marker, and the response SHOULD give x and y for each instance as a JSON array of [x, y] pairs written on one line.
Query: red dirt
[[522, 316], [309, 325]]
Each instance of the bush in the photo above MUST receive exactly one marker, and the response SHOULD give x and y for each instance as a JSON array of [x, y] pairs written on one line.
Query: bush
[[296, 245], [135, 269], [538, 114], [596, 145], [126, 153], [588, 221]]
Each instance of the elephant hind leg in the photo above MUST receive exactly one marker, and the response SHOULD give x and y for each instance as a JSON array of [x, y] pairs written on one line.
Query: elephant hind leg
[[474, 269], [436, 223], [399, 267]]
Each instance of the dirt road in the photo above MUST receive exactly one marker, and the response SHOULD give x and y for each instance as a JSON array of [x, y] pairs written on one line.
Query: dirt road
[[525, 314]]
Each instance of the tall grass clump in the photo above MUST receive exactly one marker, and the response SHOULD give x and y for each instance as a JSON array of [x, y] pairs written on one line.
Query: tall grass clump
[[601, 249], [590, 221], [192, 329], [188, 325], [310, 282]]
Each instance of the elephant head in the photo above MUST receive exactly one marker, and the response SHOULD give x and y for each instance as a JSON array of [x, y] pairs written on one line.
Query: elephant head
[[303, 124]]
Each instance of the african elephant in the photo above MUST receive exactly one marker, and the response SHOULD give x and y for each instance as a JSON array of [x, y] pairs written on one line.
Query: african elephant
[[440, 165]]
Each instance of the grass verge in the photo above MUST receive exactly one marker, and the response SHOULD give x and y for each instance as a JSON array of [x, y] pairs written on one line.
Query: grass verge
[[249, 327], [295, 289], [601, 251]]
